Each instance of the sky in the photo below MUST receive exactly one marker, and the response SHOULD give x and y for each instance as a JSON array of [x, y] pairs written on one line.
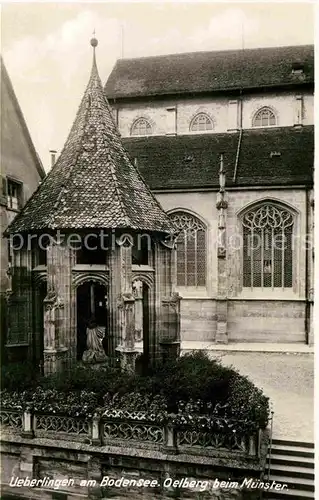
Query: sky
[[47, 52]]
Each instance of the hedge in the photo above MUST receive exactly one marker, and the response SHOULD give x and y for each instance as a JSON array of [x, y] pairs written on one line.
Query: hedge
[[190, 387]]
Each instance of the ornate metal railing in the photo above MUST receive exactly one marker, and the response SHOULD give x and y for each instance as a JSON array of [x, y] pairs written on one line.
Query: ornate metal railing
[[12, 420], [132, 431], [65, 424], [138, 429]]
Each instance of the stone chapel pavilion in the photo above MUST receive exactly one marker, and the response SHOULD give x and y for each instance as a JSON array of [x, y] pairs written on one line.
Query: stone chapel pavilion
[[67, 276]]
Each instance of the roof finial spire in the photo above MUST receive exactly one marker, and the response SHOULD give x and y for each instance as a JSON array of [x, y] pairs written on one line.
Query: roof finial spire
[[94, 44]]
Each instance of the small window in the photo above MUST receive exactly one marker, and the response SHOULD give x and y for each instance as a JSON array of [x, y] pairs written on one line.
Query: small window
[[141, 127], [91, 251], [297, 68], [14, 194], [201, 123], [265, 117], [140, 250]]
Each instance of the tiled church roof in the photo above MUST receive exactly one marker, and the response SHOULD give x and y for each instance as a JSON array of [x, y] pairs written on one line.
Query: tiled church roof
[[93, 183], [267, 157], [210, 71]]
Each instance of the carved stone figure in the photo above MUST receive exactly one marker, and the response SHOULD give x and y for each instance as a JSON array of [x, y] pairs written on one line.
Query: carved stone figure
[[138, 295], [52, 302], [94, 337]]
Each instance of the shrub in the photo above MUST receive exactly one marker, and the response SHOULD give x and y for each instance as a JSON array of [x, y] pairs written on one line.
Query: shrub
[[193, 387], [19, 376], [51, 401], [247, 402], [192, 377]]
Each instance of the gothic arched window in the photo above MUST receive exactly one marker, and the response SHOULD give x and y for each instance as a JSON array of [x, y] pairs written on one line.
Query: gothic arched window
[[264, 117], [268, 249], [141, 126], [190, 250], [201, 123]]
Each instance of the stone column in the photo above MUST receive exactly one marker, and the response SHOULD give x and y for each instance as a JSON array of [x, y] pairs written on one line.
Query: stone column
[[58, 316], [171, 318], [121, 322], [221, 300], [126, 348], [163, 290]]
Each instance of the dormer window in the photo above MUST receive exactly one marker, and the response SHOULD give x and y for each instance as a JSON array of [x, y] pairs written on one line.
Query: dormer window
[[141, 126], [297, 68], [264, 117], [14, 194], [201, 123]]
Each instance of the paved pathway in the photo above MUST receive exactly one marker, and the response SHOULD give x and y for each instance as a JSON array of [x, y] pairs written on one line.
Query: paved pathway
[[288, 380]]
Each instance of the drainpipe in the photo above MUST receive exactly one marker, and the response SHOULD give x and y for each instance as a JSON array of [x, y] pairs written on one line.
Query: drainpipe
[[237, 154], [240, 135]]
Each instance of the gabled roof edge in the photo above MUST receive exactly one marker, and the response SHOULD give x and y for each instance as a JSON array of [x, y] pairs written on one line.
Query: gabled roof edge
[[37, 160]]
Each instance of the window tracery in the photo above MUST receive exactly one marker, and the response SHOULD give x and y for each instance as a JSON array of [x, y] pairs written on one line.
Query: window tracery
[[190, 250], [268, 247]]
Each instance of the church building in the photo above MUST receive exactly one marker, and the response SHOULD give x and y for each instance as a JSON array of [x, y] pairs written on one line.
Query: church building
[[225, 140], [179, 210]]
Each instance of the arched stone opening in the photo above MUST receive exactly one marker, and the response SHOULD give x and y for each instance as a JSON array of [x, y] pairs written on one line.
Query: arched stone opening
[[91, 305], [143, 321]]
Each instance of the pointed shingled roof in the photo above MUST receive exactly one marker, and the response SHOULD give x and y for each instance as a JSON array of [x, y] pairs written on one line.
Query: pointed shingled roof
[[93, 183]]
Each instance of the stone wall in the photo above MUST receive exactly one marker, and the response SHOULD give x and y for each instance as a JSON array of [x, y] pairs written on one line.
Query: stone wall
[[225, 113], [79, 466], [275, 316], [198, 319], [266, 321]]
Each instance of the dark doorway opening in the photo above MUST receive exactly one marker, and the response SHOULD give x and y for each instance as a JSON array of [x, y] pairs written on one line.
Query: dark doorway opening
[[143, 360], [91, 305]]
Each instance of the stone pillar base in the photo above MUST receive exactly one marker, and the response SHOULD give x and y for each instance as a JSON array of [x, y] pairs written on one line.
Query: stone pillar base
[[311, 339], [128, 357], [170, 349], [54, 360], [221, 326], [221, 333]]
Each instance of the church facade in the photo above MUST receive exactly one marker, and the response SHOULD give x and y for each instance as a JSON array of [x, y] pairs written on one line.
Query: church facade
[[184, 118]]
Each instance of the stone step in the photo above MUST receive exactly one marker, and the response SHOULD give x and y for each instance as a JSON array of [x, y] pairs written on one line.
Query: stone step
[[293, 483], [285, 442], [288, 495], [292, 471], [305, 462], [297, 451]]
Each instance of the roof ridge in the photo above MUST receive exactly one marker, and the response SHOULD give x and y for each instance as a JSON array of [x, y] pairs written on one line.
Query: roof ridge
[[23, 123], [239, 49]]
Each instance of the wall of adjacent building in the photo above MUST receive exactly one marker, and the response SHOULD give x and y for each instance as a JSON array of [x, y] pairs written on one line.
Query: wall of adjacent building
[[175, 115], [17, 163]]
